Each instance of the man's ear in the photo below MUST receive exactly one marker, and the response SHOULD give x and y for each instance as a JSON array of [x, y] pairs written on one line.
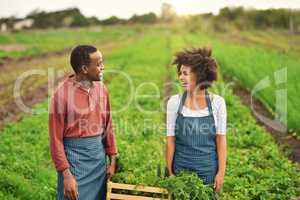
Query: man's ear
[[84, 69]]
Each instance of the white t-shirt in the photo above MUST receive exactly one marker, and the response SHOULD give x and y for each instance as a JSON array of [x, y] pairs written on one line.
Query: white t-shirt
[[218, 108]]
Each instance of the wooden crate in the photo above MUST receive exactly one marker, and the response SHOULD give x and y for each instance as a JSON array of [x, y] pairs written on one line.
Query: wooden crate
[[119, 186]]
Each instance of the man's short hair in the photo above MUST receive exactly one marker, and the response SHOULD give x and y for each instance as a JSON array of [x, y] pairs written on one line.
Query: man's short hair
[[80, 55]]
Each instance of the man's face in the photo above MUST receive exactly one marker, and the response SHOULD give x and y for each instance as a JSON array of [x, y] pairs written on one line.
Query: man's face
[[94, 70]]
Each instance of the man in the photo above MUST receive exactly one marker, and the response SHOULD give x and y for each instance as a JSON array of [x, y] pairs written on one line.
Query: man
[[80, 129]]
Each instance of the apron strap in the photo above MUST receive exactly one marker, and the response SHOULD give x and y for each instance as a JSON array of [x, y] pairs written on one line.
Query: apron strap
[[182, 100], [208, 102], [183, 97]]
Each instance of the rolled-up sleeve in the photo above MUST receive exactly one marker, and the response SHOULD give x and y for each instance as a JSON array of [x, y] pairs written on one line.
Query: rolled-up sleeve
[[56, 128], [221, 117], [172, 107]]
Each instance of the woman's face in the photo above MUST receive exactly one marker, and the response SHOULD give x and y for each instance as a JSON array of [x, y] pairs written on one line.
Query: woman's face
[[187, 78]]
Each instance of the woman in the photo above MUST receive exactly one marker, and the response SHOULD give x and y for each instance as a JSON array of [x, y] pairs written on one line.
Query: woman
[[196, 120]]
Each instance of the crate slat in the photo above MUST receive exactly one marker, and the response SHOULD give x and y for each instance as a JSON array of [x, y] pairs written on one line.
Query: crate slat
[[139, 188], [132, 197]]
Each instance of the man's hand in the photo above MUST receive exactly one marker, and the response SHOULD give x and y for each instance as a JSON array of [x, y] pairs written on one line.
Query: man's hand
[[111, 170], [112, 167], [70, 186]]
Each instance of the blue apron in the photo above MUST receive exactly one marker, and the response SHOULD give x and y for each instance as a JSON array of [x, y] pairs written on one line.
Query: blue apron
[[195, 147], [87, 160]]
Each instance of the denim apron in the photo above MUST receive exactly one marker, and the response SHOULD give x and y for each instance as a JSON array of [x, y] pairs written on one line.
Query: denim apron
[[195, 147], [87, 160]]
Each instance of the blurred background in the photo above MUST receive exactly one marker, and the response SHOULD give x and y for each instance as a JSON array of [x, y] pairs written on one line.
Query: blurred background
[[256, 44]]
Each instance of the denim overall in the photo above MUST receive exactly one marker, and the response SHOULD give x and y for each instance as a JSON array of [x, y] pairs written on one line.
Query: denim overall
[[195, 147]]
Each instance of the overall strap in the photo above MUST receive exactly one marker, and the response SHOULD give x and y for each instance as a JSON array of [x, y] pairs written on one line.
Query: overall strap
[[208, 102], [182, 100]]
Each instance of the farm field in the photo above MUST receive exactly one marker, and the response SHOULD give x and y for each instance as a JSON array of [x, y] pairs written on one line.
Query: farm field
[[249, 57], [257, 169]]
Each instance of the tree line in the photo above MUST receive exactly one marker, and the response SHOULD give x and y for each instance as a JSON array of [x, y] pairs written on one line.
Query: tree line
[[237, 17], [74, 18]]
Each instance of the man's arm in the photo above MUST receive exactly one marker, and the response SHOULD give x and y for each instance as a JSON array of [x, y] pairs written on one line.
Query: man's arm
[[109, 140], [56, 127]]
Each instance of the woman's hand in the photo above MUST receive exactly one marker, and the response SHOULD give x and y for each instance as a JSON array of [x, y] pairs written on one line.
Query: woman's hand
[[70, 186], [170, 173], [219, 180]]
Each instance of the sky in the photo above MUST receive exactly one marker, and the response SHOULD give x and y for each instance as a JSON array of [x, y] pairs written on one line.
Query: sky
[[126, 8]]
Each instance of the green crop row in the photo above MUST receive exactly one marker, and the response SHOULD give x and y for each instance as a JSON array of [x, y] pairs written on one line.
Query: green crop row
[[256, 168]]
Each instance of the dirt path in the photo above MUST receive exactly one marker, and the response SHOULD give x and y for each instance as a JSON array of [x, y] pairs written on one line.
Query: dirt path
[[6, 62], [32, 91], [287, 142]]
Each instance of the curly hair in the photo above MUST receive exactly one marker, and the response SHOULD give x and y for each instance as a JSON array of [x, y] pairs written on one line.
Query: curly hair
[[201, 62], [80, 55]]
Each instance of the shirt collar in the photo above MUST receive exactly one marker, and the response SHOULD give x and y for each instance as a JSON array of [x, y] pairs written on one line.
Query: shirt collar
[[71, 79]]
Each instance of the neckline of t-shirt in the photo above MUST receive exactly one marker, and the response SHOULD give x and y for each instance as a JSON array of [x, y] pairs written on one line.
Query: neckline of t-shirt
[[203, 109]]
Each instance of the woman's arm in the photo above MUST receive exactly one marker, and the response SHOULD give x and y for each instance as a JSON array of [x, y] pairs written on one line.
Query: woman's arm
[[222, 155], [172, 107], [221, 143], [170, 149], [222, 152]]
